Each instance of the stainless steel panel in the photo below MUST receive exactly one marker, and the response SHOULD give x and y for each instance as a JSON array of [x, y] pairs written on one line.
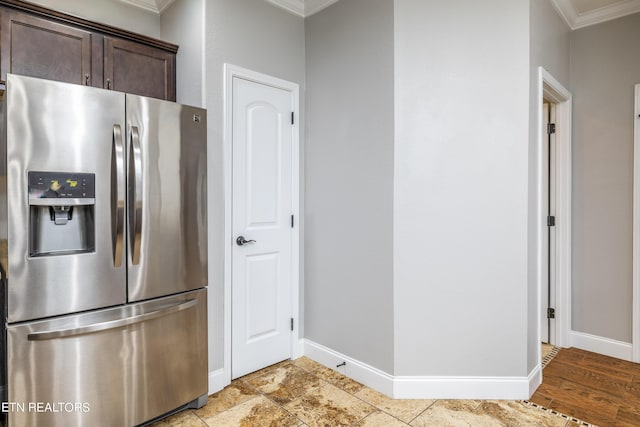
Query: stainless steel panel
[[167, 190], [120, 366], [54, 126]]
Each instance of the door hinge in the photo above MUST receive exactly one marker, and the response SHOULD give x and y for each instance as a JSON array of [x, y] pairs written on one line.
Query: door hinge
[[292, 323], [551, 128], [551, 313], [292, 221], [292, 118], [551, 221]]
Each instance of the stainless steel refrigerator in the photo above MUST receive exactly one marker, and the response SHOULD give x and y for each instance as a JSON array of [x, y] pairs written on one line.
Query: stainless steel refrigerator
[[103, 225]]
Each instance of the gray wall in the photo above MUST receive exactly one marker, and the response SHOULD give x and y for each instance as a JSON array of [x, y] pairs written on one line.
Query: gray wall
[[605, 65], [183, 24], [461, 180], [549, 42], [109, 12], [254, 35], [349, 180]]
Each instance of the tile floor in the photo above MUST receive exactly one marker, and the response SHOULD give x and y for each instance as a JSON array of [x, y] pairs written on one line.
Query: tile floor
[[304, 393]]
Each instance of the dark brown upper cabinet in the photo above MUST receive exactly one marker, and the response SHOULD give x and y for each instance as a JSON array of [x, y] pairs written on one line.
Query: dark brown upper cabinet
[[135, 68], [41, 42], [36, 47]]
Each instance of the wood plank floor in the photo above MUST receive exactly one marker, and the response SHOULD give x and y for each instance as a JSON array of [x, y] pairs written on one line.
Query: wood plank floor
[[594, 388]]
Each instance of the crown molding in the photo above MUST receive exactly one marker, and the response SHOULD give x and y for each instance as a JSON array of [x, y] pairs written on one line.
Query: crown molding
[[577, 20], [155, 6], [292, 6], [301, 8]]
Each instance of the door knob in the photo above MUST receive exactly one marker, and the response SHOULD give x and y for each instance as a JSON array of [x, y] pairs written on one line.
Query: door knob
[[241, 241]]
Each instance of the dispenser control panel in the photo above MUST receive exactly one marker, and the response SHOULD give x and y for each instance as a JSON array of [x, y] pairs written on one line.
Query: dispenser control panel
[[62, 185]]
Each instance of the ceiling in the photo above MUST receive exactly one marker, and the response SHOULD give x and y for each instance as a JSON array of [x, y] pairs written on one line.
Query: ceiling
[[303, 8], [582, 13], [576, 13]]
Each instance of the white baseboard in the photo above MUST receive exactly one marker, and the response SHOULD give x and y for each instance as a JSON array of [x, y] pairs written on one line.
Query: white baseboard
[[297, 349], [217, 381], [535, 379], [489, 388], [425, 387], [601, 345], [359, 371]]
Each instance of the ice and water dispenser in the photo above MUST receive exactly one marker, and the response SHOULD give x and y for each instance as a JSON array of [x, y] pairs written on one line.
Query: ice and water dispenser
[[61, 213]]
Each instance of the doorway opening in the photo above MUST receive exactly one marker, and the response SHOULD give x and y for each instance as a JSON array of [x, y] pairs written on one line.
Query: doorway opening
[[549, 163], [554, 210]]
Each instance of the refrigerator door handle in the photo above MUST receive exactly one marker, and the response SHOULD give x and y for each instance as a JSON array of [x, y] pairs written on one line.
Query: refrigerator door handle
[[111, 324], [135, 178], [117, 198]]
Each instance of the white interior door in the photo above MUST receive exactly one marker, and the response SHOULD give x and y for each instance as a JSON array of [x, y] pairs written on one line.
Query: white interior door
[[262, 135]]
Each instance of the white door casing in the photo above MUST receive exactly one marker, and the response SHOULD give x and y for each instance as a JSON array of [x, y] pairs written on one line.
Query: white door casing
[[261, 291], [635, 338]]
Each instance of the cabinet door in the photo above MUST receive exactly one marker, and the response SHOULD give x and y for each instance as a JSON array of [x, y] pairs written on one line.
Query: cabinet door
[[141, 70], [39, 48]]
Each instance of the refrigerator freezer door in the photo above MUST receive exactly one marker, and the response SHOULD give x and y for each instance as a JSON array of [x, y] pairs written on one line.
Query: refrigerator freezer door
[[167, 221], [115, 367], [55, 127]]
